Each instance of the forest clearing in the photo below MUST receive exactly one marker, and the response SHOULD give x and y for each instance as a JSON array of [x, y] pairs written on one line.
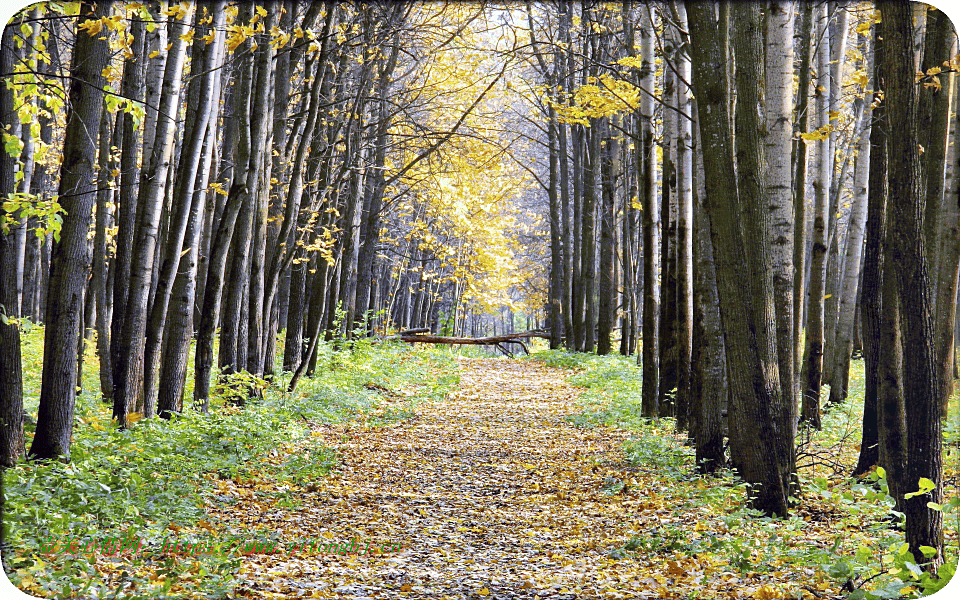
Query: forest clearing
[[434, 299]]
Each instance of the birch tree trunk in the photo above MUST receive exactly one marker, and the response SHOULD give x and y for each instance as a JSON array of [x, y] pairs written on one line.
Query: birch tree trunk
[[778, 190], [129, 380], [813, 352], [646, 170], [685, 234], [843, 344]]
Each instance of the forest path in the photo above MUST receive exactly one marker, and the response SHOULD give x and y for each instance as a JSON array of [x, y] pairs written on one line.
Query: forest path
[[491, 493]]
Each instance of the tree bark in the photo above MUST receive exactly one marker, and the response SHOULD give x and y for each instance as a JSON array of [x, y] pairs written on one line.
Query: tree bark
[[877, 369], [684, 231], [813, 351], [646, 169], [754, 378], [843, 344], [708, 387], [130, 371], [907, 252], [11, 368], [779, 192], [200, 94], [70, 261]]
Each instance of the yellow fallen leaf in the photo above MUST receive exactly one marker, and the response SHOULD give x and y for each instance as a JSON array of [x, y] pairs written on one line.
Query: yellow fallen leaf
[[483, 592]]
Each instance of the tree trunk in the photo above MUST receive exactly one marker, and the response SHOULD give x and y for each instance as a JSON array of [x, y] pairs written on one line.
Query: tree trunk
[[200, 96], [223, 240], [800, 155], [948, 272], [130, 370], [556, 258], [98, 285], [843, 344], [11, 369], [70, 261], [779, 192], [132, 86], [877, 369], [743, 293], [607, 289], [924, 436], [708, 386], [813, 352], [646, 169], [684, 232]]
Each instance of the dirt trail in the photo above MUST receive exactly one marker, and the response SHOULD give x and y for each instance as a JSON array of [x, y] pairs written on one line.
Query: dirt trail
[[490, 493]]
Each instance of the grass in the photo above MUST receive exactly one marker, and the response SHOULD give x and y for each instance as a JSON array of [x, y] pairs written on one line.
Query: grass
[[841, 527], [156, 479]]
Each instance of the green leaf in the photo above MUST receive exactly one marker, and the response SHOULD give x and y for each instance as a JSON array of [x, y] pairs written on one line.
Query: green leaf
[[928, 551], [926, 486]]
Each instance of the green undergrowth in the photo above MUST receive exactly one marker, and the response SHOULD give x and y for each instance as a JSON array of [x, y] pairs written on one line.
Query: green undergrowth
[[155, 480], [842, 537]]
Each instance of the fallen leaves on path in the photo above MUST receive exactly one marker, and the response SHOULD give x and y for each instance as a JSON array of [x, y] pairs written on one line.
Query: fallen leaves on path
[[491, 494]]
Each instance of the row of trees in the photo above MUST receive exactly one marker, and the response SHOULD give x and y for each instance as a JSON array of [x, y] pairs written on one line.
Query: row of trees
[[175, 171], [719, 177]]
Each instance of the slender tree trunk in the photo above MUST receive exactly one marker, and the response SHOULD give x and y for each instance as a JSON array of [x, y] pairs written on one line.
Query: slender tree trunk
[[800, 157], [11, 369], [607, 290], [98, 285], [843, 344], [948, 272], [813, 352], [200, 96], [779, 191], [130, 374], [877, 369], [223, 240], [708, 385], [70, 261], [556, 258], [132, 86], [646, 169], [684, 232]]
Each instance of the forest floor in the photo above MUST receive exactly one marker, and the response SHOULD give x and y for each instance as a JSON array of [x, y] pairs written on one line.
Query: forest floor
[[489, 493], [505, 490], [399, 473]]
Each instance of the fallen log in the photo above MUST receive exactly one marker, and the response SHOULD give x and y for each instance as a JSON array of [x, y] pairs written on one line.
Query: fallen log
[[493, 340]]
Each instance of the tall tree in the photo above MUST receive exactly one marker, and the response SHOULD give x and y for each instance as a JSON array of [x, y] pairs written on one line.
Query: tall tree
[[812, 368], [924, 525], [646, 170], [11, 375], [685, 233], [70, 261], [778, 75], [754, 378], [153, 178]]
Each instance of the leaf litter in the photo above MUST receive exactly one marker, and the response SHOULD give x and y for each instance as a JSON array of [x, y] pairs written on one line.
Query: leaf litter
[[494, 493]]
